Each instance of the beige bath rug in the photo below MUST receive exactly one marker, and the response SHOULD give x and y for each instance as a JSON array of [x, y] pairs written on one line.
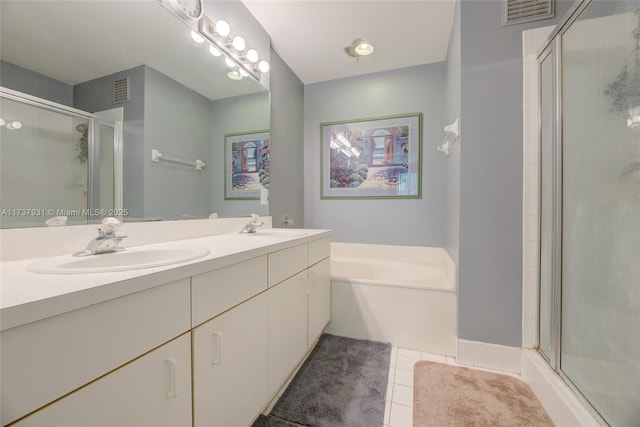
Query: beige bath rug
[[445, 395]]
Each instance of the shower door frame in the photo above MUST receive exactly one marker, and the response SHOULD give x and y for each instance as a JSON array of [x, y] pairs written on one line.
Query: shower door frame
[[553, 52], [553, 48], [93, 159]]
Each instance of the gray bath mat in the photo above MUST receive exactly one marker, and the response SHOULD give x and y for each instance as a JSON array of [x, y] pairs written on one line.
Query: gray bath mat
[[269, 421], [342, 383]]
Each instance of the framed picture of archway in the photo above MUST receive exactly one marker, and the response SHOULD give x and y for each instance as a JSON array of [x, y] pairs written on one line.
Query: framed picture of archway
[[372, 158], [246, 167]]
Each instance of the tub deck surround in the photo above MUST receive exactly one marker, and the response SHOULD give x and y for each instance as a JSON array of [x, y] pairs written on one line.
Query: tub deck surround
[[405, 295], [27, 297]]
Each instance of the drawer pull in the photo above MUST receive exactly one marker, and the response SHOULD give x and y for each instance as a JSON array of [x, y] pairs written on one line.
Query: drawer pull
[[171, 394], [217, 348]]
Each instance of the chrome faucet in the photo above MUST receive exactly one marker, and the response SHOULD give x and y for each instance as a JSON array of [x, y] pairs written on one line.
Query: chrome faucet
[[107, 241], [287, 221], [252, 225]]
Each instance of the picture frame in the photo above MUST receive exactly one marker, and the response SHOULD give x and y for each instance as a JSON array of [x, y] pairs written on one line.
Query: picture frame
[[372, 158], [246, 167]]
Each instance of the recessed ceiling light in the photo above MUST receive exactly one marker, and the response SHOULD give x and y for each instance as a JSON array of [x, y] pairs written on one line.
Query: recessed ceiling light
[[234, 75], [363, 48], [359, 48]]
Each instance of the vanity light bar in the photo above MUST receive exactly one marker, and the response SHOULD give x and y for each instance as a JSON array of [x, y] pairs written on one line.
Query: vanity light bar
[[207, 29]]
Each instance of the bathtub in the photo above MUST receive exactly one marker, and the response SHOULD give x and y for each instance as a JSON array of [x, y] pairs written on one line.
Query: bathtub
[[404, 295]]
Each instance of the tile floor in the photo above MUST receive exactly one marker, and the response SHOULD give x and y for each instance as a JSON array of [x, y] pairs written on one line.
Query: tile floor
[[398, 410]]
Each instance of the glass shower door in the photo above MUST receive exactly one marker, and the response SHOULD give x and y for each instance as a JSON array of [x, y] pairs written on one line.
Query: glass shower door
[[600, 349], [43, 164], [57, 161]]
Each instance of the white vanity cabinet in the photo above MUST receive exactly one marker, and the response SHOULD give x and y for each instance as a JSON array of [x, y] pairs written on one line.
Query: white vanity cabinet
[[230, 343], [230, 367], [153, 390], [299, 306], [44, 360], [287, 328], [319, 299], [208, 349]]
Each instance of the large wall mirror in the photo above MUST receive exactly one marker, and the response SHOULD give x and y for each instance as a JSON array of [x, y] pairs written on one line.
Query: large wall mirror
[[74, 71]]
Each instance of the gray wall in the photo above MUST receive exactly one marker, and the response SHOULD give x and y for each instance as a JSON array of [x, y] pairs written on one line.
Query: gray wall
[[287, 150], [417, 222], [96, 95], [452, 217], [233, 115], [35, 84], [166, 115], [490, 239], [176, 122]]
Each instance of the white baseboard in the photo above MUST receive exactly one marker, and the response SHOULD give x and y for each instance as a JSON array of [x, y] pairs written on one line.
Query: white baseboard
[[489, 356]]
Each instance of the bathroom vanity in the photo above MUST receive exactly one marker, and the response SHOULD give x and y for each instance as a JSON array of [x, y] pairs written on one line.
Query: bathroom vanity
[[207, 342]]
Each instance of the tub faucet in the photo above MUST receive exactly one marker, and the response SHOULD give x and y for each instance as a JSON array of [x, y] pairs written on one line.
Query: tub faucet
[[252, 225], [107, 241]]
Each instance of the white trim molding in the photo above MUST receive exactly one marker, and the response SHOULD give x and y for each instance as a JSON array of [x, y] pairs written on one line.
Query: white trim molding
[[489, 356]]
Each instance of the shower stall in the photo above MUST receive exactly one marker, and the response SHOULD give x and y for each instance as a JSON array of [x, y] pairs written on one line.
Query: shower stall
[[57, 161], [589, 266]]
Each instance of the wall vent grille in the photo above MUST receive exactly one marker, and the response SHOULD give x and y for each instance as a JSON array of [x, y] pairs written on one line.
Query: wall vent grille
[[120, 90], [519, 11]]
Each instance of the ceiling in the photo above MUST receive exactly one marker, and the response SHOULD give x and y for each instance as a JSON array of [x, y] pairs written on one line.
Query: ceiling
[[311, 36], [77, 41]]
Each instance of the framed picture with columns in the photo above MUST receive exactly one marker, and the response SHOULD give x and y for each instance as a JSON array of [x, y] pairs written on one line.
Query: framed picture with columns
[[372, 158], [246, 164]]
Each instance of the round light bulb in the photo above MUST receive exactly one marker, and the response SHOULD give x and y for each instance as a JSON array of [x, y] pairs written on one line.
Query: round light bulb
[[229, 63], [264, 67], [223, 28], [243, 73], [214, 51], [14, 125], [363, 48], [234, 75], [239, 43], [2, 122], [252, 56], [197, 37]]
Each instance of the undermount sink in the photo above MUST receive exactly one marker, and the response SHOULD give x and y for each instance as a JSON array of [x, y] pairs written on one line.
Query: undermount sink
[[278, 232], [128, 259]]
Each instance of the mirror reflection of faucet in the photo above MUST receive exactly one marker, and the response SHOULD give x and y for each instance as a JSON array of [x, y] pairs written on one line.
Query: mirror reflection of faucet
[[107, 241], [287, 221], [252, 225]]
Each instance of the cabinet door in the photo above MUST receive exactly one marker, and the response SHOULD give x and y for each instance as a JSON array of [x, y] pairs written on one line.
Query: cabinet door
[[154, 390], [45, 360], [287, 328], [230, 366], [319, 299]]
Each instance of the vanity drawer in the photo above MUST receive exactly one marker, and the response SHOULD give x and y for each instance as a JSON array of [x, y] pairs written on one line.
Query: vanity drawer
[[217, 291], [44, 360], [286, 263], [319, 250]]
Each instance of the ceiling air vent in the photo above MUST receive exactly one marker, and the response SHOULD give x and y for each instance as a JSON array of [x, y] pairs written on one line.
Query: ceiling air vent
[[120, 90], [519, 11]]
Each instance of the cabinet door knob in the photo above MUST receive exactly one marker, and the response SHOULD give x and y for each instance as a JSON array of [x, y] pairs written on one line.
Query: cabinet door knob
[[217, 348], [171, 394]]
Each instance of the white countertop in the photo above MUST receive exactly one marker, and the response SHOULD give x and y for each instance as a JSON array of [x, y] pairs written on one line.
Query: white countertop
[[27, 297]]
